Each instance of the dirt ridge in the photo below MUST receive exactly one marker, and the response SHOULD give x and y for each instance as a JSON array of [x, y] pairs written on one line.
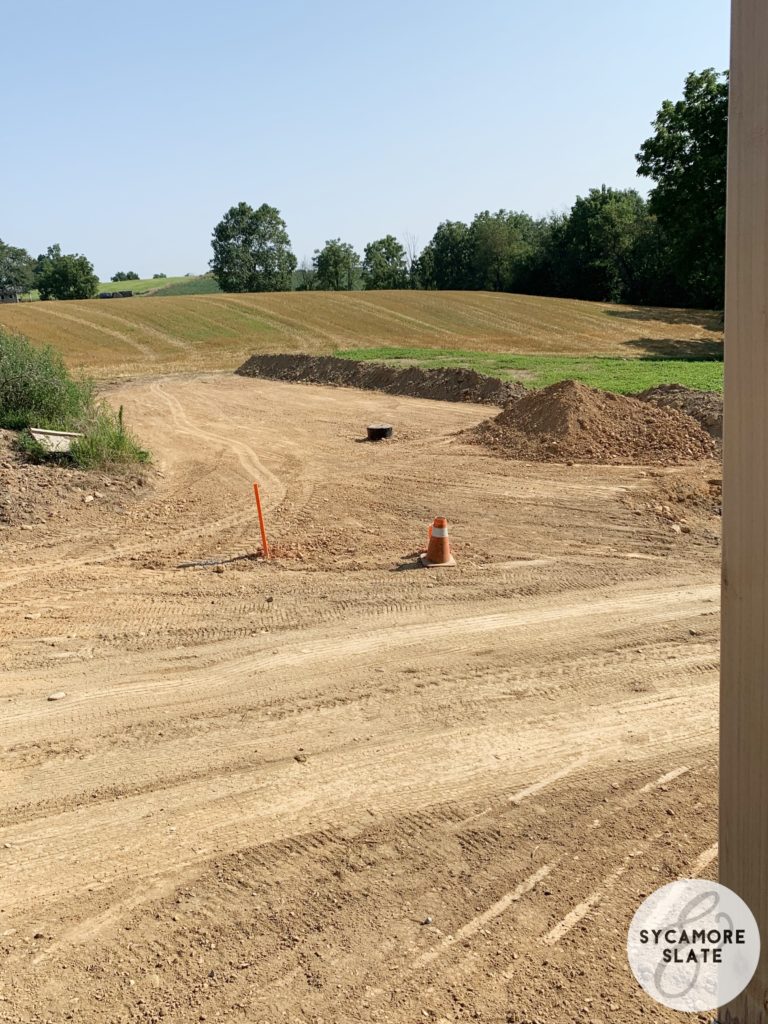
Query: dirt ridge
[[704, 406], [444, 384]]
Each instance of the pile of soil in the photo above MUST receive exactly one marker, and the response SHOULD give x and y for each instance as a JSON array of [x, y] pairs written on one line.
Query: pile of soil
[[32, 495], [704, 406], [571, 422], [446, 385]]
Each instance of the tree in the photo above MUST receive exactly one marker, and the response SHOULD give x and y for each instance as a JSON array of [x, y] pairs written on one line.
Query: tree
[[16, 273], [686, 158], [446, 262], [336, 265], [252, 251], [125, 275], [156, 277], [502, 245], [59, 276], [385, 264], [606, 245]]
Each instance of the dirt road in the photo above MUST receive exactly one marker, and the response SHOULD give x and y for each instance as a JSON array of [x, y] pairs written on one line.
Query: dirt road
[[332, 788]]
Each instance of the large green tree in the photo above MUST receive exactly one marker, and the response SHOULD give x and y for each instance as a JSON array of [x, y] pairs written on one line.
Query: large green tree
[[686, 158], [606, 245], [446, 261], [502, 245], [64, 276], [16, 273], [252, 250], [385, 264], [336, 266]]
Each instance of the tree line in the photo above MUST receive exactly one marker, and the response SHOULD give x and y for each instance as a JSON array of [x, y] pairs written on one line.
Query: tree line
[[612, 245]]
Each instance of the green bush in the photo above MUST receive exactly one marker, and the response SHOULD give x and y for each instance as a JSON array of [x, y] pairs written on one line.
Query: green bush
[[37, 390], [106, 442]]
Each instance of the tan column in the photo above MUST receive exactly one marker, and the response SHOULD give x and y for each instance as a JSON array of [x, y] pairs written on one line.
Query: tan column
[[744, 676]]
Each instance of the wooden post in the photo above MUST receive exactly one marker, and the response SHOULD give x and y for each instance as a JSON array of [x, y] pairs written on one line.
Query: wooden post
[[744, 675]]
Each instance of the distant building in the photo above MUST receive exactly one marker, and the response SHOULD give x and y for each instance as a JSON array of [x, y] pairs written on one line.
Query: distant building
[[8, 294]]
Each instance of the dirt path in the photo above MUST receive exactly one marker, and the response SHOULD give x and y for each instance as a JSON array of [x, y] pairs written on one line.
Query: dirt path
[[264, 780]]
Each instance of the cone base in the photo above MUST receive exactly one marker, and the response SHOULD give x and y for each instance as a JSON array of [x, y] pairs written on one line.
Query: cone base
[[436, 565]]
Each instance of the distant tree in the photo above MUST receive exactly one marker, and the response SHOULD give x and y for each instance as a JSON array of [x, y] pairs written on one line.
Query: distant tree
[[502, 245], [446, 261], [59, 276], [155, 277], [605, 242], [252, 251], [16, 272], [385, 264], [125, 275], [306, 277], [686, 158], [336, 265]]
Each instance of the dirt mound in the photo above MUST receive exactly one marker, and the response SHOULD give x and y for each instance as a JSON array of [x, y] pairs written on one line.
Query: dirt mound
[[446, 385], [704, 406], [32, 495], [571, 422]]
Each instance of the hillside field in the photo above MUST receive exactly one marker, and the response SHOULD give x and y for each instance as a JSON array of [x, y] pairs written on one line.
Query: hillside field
[[217, 332]]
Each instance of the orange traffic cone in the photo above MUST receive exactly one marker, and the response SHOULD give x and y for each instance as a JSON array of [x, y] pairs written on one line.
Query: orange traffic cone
[[439, 548]]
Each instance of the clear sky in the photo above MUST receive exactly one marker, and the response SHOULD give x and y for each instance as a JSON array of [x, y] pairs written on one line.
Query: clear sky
[[129, 129]]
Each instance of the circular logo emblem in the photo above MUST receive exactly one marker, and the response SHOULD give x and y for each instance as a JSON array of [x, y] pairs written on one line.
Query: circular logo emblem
[[693, 945]]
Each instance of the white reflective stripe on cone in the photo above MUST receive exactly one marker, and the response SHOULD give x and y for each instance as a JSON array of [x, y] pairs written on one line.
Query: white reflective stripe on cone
[[439, 531]]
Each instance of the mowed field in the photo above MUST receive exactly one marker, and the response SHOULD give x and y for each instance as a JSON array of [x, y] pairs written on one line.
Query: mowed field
[[209, 332]]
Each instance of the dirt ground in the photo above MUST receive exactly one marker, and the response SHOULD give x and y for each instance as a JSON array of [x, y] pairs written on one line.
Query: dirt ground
[[337, 788]]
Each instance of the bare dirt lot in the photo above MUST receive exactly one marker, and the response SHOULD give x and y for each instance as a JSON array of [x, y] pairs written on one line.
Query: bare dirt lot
[[337, 788]]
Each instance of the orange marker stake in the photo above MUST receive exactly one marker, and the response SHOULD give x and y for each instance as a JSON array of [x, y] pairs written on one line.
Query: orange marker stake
[[264, 544]]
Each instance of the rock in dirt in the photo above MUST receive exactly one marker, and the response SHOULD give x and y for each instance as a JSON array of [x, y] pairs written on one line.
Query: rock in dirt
[[58, 695], [706, 407], [444, 384], [570, 421]]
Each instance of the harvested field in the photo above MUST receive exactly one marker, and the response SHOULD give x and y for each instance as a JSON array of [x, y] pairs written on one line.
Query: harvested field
[[332, 788], [457, 385], [571, 422], [195, 332]]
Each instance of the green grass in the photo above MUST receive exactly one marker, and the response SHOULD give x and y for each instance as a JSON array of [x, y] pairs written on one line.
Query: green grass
[[204, 285], [149, 284], [201, 284], [106, 443], [624, 376]]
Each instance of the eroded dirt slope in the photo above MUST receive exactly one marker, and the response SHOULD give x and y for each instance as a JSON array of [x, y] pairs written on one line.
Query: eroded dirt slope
[[334, 788]]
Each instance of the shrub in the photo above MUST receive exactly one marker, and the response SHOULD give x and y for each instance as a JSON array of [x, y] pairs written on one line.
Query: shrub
[[106, 442], [36, 389]]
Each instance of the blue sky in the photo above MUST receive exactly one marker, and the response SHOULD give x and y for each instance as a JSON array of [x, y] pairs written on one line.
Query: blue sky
[[130, 129]]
